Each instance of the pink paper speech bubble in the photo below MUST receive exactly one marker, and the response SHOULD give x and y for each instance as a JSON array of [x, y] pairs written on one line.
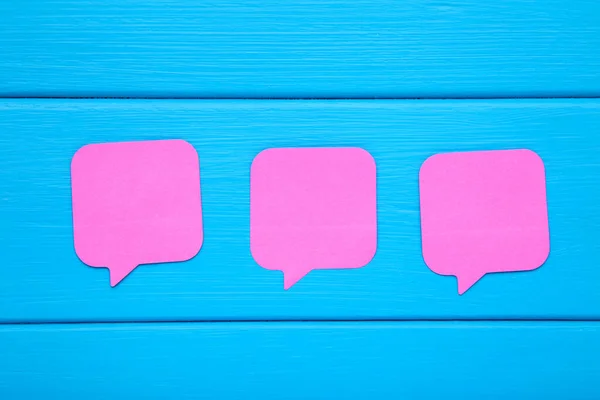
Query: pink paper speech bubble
[[312, 208], [136, 203], [483, 212]]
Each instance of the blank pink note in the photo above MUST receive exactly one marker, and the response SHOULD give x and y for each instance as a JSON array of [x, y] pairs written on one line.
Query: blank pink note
[[483, 212], [312, 208], [136, 203]]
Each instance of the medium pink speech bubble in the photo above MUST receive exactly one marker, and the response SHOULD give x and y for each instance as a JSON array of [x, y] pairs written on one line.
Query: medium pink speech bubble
[[483, 212], [312, 208], [136, 203]]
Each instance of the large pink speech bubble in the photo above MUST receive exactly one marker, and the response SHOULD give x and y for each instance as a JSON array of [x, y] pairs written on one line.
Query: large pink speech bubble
[[312, 208], [136, 203], [483, 212]]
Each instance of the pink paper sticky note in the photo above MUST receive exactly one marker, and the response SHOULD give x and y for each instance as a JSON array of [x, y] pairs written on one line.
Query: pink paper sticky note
[[136, 203], [483, 212], [312, 208]]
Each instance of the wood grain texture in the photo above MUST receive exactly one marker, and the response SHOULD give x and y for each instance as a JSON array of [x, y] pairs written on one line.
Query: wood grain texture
[[300, 48], [42, 279], [418, 360]]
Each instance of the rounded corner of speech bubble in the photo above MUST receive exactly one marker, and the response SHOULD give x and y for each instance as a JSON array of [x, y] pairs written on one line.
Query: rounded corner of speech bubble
[[186, 147], [117, 271], [464, 280], [79, 156], [291, 275], [367, 155], [428, 161], [264, 153], [531, 153]]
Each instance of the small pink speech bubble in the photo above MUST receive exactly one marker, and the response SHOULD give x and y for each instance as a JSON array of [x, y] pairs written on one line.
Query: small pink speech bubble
[[483, 212], [312, 208], [136, 203]]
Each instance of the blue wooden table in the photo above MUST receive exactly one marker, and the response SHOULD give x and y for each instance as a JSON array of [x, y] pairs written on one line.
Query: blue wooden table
[[401, 79]]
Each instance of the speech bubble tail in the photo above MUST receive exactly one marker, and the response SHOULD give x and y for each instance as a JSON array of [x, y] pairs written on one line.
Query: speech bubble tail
[[465, 282], [290, 278], [117, 274]]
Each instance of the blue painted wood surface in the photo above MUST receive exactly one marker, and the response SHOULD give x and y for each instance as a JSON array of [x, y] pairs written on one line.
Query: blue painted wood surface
[[300, 48], [297, 49], [419, 360], [42, 279]]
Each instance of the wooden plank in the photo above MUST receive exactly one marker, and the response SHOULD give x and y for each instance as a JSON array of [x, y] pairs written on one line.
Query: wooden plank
[[43, 280], [300, 48], [424, 360]]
